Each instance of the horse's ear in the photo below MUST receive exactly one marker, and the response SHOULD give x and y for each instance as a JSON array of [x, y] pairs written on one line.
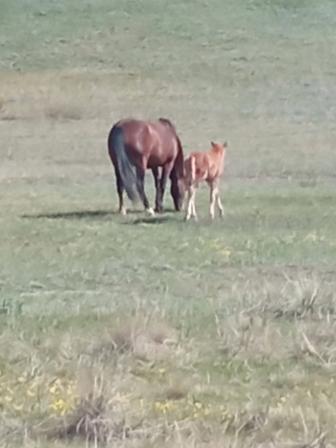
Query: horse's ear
[[167, 122], [213, 144]]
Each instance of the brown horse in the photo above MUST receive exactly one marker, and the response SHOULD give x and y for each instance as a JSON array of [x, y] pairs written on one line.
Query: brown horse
[[135, 146], [205, 166]]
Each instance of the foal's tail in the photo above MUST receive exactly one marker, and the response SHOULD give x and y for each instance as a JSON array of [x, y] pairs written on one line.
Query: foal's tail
[[116, 147]]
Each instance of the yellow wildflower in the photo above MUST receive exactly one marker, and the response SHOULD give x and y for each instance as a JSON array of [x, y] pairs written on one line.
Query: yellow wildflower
[[18, 407], [53, 389], [226, 252], [31, 393]]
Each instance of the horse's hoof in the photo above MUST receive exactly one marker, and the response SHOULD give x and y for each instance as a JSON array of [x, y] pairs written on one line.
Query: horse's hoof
[[123, 211], [150, 212]]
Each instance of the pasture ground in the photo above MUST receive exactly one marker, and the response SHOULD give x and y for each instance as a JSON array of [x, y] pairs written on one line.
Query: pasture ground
[[142, 331]]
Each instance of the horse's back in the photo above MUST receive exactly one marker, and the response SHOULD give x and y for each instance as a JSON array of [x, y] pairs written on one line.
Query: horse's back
[[155, 139], [149, 143]]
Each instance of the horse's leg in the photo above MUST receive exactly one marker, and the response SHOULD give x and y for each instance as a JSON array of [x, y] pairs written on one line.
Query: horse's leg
[[166, 170], [140, 174], [120, 189], [155, 172]]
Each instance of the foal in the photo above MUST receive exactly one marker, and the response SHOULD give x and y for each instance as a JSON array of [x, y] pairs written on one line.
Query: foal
[[204, 166]]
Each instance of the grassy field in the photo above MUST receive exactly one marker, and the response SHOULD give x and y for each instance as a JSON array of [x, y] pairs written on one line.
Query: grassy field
[[136, 331]]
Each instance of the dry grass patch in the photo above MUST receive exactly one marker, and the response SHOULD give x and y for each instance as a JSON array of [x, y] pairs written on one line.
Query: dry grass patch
[[63, 110], [6, 114], [175, 391], [256, 341], [93, 421], [57, 98], [316, 341], [147, 337]]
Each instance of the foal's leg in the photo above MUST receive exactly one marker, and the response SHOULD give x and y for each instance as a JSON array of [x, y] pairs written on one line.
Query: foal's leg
[[215, 199], [213, 196], [190, 208], [220, 205], [140, 174], [194, 204], [120, 189], [189, 205]]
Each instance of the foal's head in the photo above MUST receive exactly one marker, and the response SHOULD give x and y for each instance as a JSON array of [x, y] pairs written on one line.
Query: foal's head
[[219, 147]]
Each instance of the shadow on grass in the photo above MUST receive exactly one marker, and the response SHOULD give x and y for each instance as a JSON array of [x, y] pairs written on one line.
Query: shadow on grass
[[99, 214], [80, 214], [151, 220]]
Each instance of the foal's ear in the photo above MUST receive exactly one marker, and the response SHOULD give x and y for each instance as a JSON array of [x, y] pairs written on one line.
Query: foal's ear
[[225, 144], [213, 144]]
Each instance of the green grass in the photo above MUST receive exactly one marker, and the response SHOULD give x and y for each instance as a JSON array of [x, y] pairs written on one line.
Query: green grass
[[151, 330]]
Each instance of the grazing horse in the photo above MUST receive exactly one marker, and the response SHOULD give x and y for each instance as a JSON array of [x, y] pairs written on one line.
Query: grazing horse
[[136, 145], [204, 166]]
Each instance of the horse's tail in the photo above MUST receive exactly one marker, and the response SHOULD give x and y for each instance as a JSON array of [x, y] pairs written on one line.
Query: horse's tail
[[116, 147]]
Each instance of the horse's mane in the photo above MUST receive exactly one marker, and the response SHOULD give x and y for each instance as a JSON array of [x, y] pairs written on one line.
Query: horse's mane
[[179, 164], [178, 170], [167, 122]]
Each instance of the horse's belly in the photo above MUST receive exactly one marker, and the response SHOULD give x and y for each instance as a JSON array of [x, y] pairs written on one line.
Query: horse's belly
[[154, 161]]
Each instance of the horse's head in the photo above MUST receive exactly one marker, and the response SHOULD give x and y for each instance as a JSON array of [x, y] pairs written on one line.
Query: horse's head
[[177, 191], [178, 187]]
